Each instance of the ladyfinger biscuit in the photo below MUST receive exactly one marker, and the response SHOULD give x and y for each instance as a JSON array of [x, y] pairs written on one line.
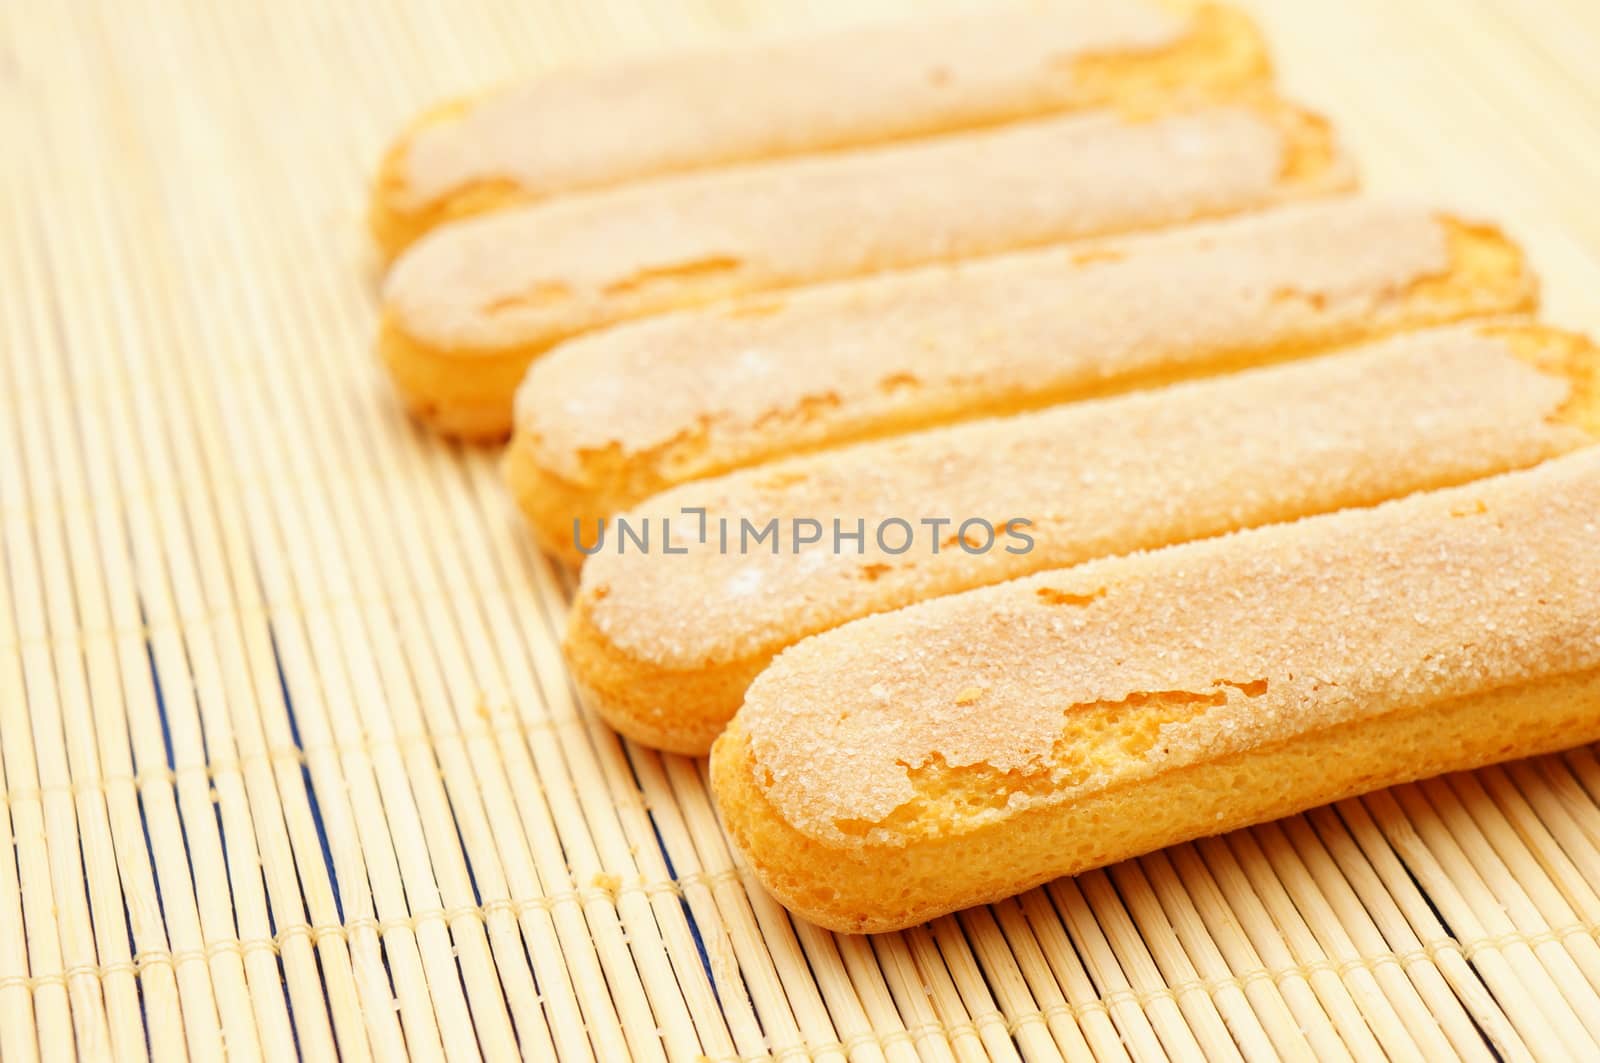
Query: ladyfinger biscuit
[[1417, 412], [469, 307], [606, 421], [971, 747], [584, 129]]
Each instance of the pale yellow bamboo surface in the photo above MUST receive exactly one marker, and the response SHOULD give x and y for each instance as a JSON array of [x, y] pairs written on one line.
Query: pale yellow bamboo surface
[[288, 758]]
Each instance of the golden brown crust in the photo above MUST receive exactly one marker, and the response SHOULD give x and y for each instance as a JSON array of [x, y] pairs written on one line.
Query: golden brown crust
[[1050, 724], [609, 421], [472, 304], [882, 888], [474, 156], [1418, 412]]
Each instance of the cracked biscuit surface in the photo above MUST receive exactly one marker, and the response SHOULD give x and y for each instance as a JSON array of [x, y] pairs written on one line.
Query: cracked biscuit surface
[[971, 747]]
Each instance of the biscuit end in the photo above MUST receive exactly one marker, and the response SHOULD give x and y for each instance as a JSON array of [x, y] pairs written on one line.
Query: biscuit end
[[1488, 273], [396, 217], [676, 710], [1314, 161], [466, 398], [1570, 355], [548, 502], [802, 873]]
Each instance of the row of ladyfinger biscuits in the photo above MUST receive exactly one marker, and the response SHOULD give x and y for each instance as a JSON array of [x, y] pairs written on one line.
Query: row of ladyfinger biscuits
[[467, 310], [1049, 724], [812, 160], [1418, 412], [606, 421]]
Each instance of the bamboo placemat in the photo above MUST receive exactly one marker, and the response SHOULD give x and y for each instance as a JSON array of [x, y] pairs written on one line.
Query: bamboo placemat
[[288, 756]]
